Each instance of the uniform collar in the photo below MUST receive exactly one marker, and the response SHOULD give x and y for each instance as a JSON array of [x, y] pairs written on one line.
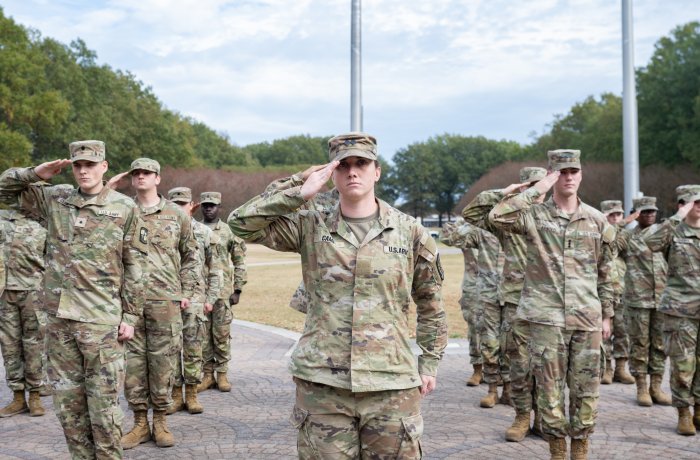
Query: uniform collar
[[152, 209], [78, 200], [336, 223], [556, 211]]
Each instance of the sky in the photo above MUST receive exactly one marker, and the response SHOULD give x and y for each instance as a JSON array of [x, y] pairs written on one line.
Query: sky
[[260, 70]]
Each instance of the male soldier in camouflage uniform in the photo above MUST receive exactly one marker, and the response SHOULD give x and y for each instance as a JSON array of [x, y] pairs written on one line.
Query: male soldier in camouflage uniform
[[645, 282], [516, 332], [93, 291], [23, 319], [172, 273], [496, 365], [567, 297], [217, 342], [679, 240], [618, 345], [358, 387], [469, 301], [212, 259]]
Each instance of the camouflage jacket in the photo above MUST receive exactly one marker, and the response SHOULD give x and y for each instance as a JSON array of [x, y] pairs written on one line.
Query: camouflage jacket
[[514, 245], [645, 278], [3, 274], [172, 269], [470, 293], [94, 249], [25, 244], [235, 272], [489, 260], [212, 258], [357, 333], [680, 243], [568, 278]]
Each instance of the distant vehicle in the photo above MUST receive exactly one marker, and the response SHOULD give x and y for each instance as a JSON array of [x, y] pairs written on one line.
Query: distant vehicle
[[434, 233]]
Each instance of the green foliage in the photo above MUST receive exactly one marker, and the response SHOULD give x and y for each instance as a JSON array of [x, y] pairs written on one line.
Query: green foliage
[[302, 149], [669, 100]]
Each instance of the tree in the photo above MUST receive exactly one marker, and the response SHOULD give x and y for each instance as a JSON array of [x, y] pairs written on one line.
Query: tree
[[293, 150]]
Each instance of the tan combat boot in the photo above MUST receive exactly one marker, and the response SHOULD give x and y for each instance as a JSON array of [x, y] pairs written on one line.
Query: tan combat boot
[[35, 407], [192, 403], [207, 381], [657, 395], [518, 430], [685, 423], [643, 398], [17, 406], [696, 416], [178, 403], [222, 382], [607, 377], [140, 433], [491, 397], [557, 448], [579, 449], [163, 436], [537, 425], [505, 395], [476, 377], [621, 375]]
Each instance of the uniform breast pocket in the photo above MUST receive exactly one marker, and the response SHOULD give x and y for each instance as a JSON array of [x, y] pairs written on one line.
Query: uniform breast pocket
[[166, 235], [684, 256]]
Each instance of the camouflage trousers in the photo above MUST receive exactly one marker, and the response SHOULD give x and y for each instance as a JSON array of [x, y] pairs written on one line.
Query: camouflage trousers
[[22, 339], [86, 371], [682, 345], [521, 380], [647, 354], [216, 350], [618, 345], [560, 358], [471, 312], [494, 322], [188, 365], [150, 355], [334, 423]]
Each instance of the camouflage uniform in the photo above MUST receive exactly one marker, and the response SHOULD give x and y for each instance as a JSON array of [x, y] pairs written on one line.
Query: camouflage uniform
[[644, 284], [217, 344], [468, 302], [356, 374], [566, 294], [515, 331], [23, 318], [93, 282], [680, 302], [172, 274]]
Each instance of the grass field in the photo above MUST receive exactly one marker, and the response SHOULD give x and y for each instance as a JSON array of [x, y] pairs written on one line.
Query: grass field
[[274, 276]]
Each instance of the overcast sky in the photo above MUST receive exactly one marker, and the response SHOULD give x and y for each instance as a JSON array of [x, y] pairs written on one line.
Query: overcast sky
[[265, 69]]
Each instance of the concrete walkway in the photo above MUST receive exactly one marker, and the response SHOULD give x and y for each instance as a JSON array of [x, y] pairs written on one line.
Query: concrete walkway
[[251, 422]]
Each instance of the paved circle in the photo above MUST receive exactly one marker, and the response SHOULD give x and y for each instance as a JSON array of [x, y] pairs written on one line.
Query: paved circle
[[251, 422]]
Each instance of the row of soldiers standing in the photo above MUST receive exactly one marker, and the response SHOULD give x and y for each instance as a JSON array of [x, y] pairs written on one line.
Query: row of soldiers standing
[[114, 292], [502, 248]]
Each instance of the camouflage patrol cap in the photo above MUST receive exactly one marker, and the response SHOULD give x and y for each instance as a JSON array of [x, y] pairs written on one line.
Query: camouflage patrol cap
[[611, 206], [681, 190], [145, 164], [354, 144], [210, 197], [692, 193], [645, 203], [564, 158], [180, 194], [87, 150], [532, 174]]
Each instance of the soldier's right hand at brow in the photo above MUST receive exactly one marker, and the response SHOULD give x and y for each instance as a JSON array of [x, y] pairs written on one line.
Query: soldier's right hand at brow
[[547, 183], [317, 180], [308, 171], [685, 209], [117, 181], [49, 169]]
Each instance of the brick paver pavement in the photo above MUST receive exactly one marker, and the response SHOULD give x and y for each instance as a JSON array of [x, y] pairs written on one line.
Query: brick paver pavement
[[251, 422]]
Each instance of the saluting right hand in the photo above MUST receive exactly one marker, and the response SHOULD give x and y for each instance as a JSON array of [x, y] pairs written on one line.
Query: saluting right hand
[[49, 169], [513, 187], [544, 185], [685, 209], [317, 179], [116, 182]]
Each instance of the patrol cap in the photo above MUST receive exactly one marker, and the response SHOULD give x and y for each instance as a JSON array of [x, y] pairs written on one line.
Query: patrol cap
[[180, 194], [563, 159], [210, 197], [145, 164], [532, 174], [680, 191], [692, 193], [608, 207], [87, 150], [353, 144], [645, 203]]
